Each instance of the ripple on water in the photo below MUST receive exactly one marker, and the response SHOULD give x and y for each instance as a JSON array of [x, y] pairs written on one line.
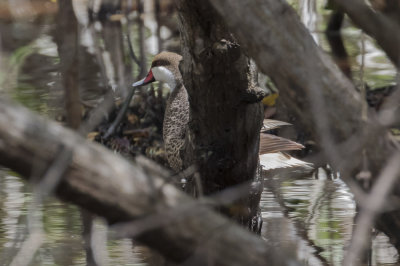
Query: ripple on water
[[317, 215]]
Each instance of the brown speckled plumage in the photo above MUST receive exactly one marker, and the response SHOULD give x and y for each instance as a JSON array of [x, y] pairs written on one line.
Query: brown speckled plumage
[[176, 114], [175, 120]]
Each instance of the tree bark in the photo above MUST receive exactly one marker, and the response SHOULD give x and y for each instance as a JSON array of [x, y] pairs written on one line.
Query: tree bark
[[390, 8], [67, 45], [225, 109], [109, 186]]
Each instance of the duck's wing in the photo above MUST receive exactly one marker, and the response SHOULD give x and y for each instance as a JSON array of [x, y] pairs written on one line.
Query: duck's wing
[[280, 160], [271, 143], [272, 156], [269, 124]]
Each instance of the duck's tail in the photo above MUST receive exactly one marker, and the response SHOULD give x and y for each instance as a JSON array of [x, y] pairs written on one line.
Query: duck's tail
[[272, 149]]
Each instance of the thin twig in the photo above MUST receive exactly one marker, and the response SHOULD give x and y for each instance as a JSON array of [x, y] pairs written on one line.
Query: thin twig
[[28, 249], [143, 63], [99, 50], [36, 235], [389, 111], [120, 116], [131, 51], [371, 208], [364, 104], [299, 226], [55, 172]]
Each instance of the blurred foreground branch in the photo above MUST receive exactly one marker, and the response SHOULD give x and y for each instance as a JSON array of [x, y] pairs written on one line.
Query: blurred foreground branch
[[110, 186], [383, 29]]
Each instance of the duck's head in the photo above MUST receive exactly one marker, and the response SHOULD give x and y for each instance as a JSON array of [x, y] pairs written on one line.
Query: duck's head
[[164, 68]]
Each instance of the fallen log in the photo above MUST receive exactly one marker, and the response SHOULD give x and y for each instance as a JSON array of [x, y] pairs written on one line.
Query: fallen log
[[121, 191]]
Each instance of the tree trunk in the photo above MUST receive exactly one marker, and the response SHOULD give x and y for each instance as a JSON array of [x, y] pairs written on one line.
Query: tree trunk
[[68, 50], [225, 109], [67, 45]]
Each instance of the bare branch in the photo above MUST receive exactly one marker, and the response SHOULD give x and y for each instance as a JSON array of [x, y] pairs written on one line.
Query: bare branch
[[384, 30], [371, 207], [28, 249]]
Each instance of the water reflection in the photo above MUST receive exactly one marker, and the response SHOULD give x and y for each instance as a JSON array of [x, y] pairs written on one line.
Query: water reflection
[[63, 242], [318, 215], [308, 14], [315, 214], [12, 200]]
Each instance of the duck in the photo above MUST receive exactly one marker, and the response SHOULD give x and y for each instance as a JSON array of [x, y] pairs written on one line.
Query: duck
[[165, 68]]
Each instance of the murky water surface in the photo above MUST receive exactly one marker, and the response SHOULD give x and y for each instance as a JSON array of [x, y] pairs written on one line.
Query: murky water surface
[[317, 214]]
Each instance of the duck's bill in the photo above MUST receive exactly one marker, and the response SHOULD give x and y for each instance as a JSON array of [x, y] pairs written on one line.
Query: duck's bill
[[148, 79]]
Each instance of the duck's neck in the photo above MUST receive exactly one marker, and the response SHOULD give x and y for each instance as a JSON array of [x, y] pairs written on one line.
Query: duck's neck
[[175, 84], [172, 85]]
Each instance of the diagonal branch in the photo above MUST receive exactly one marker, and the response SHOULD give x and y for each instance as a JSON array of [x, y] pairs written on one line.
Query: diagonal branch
[[384, 30], [372, 207]]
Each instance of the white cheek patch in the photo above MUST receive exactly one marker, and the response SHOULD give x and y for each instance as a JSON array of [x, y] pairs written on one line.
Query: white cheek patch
[[163, 74]]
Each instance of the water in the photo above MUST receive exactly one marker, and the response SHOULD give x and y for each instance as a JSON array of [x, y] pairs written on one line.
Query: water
[[316, 214], [319, 214], [63, 243]]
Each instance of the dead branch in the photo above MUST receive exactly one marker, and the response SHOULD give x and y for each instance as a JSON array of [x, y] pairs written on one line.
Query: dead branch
[[334, 38], [110, 186], [373, 23], [373, 206]]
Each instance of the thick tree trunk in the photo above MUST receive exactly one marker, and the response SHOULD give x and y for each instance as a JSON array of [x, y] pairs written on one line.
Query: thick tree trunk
[[225, 109], [98, 180]]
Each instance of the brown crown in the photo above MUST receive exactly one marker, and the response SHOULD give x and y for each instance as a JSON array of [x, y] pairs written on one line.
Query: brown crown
[[166, 59]]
